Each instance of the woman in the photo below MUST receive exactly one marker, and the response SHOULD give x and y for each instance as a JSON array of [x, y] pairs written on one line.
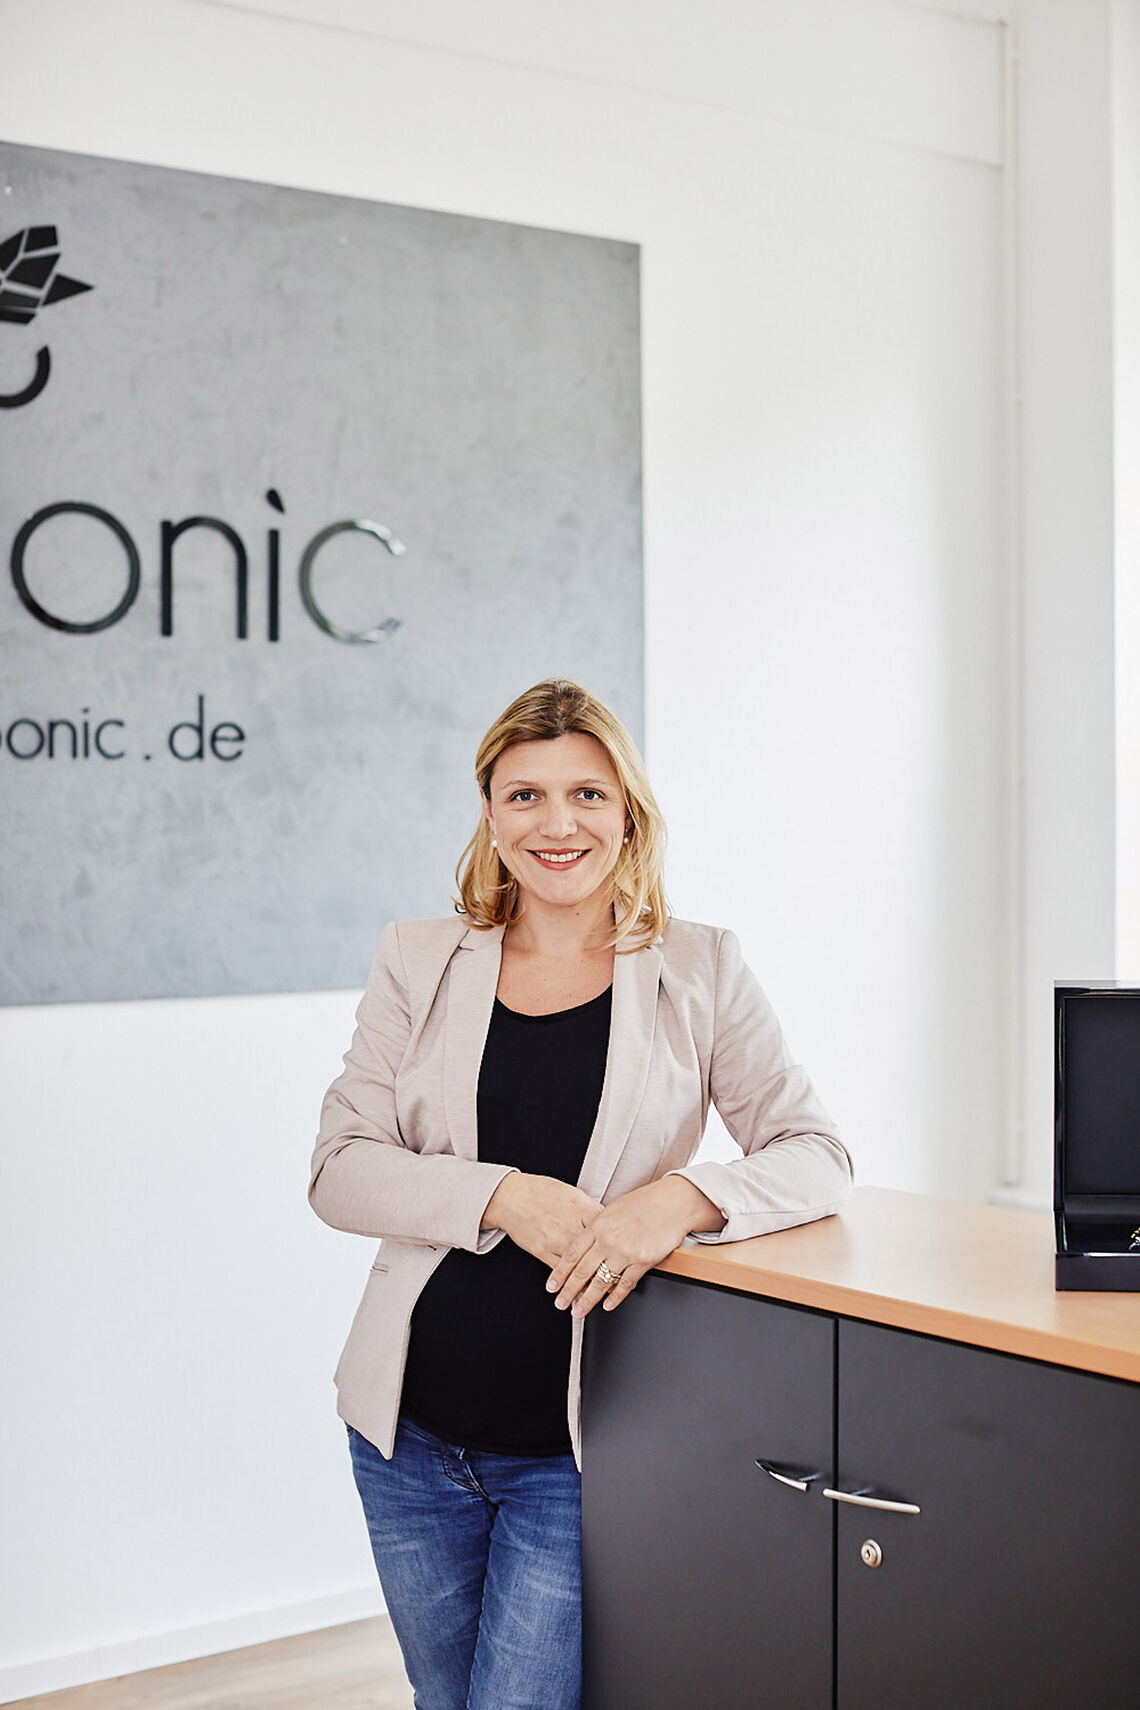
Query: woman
[[524, 1091]]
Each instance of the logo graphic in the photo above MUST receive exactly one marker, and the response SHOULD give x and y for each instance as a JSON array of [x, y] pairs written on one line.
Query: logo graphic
[[29, 282]]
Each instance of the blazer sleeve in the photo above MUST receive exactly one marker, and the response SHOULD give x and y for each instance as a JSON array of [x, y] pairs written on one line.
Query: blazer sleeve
[[794, 1168], [364, 1178]]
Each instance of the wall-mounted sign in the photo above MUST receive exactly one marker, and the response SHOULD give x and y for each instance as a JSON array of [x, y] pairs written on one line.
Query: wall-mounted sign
[[296, 491]]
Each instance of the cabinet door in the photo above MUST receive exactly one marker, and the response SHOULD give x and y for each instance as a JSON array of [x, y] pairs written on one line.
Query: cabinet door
[[706, 1581], [1017, 1587]]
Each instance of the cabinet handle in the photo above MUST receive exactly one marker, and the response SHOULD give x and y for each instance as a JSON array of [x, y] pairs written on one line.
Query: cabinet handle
[[796, 1478], [862, 1499]]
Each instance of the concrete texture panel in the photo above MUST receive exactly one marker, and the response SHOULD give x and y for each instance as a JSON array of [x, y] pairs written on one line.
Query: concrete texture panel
[[471, 386]]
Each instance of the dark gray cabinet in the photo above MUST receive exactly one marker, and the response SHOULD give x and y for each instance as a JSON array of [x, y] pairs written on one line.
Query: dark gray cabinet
[[702, 1584], [1018, 1585], [710, 1582]]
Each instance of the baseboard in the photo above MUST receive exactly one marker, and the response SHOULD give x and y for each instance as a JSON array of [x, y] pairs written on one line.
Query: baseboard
[[130, 1656]]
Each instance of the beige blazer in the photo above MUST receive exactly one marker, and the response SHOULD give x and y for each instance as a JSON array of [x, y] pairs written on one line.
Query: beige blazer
[[397, 1153]]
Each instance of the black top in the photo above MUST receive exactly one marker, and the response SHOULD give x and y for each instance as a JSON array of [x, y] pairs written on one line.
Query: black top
[[489, 1354]]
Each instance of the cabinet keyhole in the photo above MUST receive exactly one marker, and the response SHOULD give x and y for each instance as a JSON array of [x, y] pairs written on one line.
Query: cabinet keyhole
[[870, 1554]]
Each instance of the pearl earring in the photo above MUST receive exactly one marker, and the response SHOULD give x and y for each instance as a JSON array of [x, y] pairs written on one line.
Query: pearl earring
[[494, 843]]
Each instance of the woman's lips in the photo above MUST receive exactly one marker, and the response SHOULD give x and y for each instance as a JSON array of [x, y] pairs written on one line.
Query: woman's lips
[[558, 857]]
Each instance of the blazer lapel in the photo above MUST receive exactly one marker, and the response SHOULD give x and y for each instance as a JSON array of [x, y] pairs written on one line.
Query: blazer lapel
[[470, 999], [632, 1021]]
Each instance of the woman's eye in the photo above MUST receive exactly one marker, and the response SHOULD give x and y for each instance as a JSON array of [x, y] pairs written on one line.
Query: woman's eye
[[593, 795], [524, 796]]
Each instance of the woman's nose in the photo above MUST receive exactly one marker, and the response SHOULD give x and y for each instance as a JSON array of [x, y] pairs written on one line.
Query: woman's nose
[[558, 820]]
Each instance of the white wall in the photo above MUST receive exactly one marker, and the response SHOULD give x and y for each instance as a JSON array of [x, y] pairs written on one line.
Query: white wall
[[834, 690], [1126, 269], [1065, 346]]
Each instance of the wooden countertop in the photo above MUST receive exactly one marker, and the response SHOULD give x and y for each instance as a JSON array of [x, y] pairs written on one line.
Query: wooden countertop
[[969, 1273]]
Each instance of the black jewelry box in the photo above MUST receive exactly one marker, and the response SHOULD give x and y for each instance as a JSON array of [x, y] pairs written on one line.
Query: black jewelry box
[[1096, 1175]]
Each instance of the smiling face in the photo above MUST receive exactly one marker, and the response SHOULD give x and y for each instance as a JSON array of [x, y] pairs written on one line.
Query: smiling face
[[558, 814]]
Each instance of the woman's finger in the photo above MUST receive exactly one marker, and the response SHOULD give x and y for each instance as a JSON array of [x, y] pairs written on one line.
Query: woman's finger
[[594, 1291], [583, 1277], [630, 1278], [596, 1286], [573, 1253], [611, 1294]]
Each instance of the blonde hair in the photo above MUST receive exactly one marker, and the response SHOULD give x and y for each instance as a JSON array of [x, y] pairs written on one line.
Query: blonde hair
[[489, 895]]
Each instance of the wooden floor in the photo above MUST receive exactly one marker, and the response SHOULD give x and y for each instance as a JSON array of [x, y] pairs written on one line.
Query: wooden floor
[[354, 1667]]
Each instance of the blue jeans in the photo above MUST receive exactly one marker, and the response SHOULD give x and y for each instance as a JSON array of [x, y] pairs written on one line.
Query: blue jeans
[[479, 1557]]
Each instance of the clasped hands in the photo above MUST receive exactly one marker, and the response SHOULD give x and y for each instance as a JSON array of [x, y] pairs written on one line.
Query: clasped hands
[[573, 1234]]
